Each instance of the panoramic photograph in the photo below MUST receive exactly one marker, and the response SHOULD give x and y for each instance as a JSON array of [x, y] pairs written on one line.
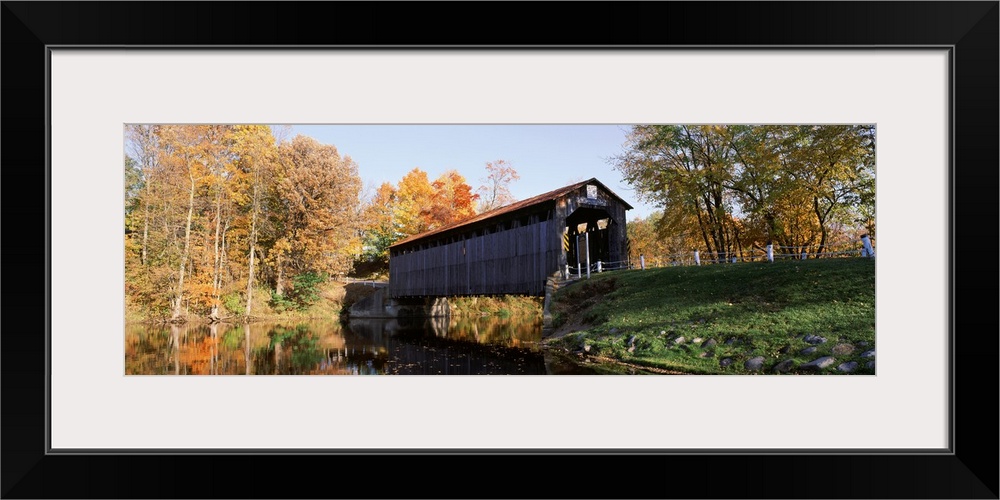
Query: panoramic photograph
[[578, 249]]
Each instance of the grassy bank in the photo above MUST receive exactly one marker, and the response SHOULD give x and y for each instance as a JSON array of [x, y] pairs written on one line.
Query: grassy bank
[[713, 319]]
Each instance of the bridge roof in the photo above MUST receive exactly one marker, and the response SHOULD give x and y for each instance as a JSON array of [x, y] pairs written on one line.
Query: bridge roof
[[513, 207]]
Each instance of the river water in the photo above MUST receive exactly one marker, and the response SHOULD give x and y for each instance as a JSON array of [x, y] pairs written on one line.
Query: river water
[[424, 346]]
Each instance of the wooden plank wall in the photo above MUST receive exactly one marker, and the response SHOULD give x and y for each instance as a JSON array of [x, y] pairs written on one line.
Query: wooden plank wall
[[514, 260]]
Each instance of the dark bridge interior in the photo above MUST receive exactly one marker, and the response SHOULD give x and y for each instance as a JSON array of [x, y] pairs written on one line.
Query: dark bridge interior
[[589, 234]]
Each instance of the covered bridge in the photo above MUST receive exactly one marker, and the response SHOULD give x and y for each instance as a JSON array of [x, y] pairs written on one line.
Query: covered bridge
[[513, 250]]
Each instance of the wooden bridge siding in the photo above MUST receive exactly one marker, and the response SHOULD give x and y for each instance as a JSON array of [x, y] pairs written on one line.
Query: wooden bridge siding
[[617, 234], [487, 268]]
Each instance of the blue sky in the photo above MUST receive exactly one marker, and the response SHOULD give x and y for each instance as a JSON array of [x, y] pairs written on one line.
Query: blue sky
[[546, 157]]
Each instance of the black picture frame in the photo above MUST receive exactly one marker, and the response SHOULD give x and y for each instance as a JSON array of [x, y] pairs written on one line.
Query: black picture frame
[[969, 470]]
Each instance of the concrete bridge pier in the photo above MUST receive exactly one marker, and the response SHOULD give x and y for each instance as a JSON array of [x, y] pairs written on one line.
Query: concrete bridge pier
[[378, 305]]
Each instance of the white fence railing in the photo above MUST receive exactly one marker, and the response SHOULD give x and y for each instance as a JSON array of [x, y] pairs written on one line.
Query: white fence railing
[[371, 283], [697, 258], [858, 248]]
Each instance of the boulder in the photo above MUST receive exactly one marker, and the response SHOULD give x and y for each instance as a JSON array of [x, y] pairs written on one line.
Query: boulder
[[819, 364], [754, 364], [814, 339], [842, 349], [784, 366], [848, 367]]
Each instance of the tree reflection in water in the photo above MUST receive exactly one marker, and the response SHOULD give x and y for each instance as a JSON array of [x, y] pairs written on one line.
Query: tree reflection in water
[[419, 346]]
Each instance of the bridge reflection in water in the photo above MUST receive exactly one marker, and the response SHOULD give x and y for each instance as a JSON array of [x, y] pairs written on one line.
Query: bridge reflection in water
[[456, 346], [409, 346]]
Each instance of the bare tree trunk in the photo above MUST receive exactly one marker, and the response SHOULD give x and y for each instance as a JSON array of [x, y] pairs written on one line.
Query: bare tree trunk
[[246, 346], [702, 225], [213, 331], [187, 245], [253, 240], [277, 358], [821, 217], [223, 257], [278, 289], [175, 337], [216, 264], [145, 224], [143, 139]]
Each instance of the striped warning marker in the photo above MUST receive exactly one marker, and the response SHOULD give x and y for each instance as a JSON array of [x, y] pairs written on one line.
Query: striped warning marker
[[565, 242]]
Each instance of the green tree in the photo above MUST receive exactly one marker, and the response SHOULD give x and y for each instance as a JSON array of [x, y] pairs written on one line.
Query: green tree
[[745, 186], [836, 165], [380, 228], [684, 170]]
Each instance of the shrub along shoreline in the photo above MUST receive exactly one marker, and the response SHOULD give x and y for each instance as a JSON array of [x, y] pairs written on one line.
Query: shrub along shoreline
[[328, 300], [796, 317]]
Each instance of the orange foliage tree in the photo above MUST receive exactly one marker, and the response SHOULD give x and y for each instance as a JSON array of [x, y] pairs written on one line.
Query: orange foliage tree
[[452, 200]]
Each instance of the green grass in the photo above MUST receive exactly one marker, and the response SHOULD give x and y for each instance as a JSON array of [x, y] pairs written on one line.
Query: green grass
[[747, 309]]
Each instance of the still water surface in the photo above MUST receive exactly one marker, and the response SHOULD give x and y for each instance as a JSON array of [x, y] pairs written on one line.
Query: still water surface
[[433, 346]]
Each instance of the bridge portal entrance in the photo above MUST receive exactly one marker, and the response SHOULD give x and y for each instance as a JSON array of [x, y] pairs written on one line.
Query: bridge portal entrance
[[588, 234]]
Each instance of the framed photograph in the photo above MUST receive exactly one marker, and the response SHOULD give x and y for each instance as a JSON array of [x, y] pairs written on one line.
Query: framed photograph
[[924, 74]]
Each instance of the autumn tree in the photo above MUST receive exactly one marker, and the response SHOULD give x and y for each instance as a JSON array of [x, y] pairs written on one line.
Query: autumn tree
[[414, 195], [643, 241], [495, 190], [220, 173], [133, 199], [142, 143], [759, 180], [318, 195], [661, 241], [155, 193], [684, 170], [452, 200], [256, 173], [188, 158], [835, 164], [213, 212]]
